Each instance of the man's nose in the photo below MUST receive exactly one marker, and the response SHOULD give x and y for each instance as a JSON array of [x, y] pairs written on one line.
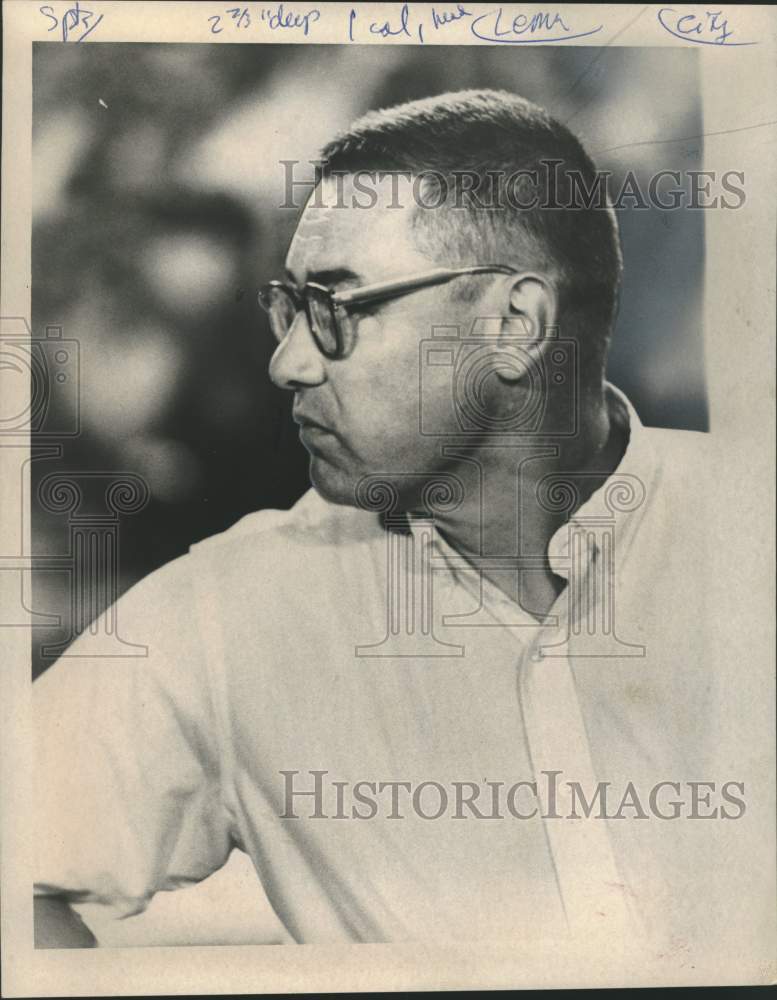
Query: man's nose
[[297, 361]]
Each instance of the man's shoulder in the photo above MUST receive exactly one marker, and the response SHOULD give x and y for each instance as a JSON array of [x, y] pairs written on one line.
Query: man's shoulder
[[680, 442], [313, 526], [688, 488], [687, 458], [264, 552]]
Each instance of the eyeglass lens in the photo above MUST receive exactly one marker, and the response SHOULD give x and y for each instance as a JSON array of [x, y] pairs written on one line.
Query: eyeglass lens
[[323, 323], [281, 310], [282, 307]]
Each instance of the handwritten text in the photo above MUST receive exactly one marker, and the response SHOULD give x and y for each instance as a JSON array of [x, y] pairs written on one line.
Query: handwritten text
[[277, 18], [711, 28], [73, 20], [543, 26]]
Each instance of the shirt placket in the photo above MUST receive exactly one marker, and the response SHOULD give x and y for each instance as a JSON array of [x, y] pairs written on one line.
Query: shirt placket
[[594, 897], [592, 894]]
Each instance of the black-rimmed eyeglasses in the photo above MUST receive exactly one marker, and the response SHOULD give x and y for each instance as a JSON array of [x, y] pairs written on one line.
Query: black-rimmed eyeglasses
[[328, 311]]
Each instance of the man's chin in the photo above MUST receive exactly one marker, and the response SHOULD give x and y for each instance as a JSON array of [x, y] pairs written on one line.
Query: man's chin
[[376, 493], [334, 485]]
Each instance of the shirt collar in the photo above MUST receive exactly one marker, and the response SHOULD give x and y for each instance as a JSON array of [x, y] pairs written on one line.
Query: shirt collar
[[618, 502]]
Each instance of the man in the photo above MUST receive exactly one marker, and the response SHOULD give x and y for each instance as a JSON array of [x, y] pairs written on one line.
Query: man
[[407, 698]]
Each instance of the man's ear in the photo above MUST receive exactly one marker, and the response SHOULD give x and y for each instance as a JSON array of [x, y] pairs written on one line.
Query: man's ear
[[530, 309]]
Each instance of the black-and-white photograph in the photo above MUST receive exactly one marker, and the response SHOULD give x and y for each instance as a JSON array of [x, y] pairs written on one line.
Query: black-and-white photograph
[[375, 540]]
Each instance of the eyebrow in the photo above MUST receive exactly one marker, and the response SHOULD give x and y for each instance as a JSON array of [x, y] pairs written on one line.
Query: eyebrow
[[328, 277]]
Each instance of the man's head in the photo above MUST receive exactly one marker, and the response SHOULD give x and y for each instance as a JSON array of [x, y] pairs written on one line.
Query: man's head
[[464, 179]]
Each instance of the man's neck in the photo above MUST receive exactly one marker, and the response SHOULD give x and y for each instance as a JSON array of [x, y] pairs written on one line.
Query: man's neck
[[501, 515]]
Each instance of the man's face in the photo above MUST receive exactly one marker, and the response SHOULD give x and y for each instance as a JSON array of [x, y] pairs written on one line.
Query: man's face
[[360, 415]]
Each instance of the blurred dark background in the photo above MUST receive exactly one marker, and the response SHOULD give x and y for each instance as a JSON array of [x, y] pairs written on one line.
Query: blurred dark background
[[157, 188]]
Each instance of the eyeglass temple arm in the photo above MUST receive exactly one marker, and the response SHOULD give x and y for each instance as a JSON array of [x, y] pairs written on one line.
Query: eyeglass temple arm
[[438, 276]]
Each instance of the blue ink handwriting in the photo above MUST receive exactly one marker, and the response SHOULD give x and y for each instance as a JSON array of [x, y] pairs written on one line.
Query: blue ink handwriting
[[391, 27], [448, 16], [711, 29], [385, 29], [74, 17], [522, 29], [278, 17], [241, 18]]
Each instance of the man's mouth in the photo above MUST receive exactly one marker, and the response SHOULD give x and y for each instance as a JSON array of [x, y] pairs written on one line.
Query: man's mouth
[[312, 433], [309, 423]]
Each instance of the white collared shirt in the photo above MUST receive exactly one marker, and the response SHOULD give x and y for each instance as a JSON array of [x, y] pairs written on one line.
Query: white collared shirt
[[275, 647]]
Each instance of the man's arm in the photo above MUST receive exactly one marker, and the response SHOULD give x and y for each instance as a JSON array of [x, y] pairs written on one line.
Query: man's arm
[[57, 926], [111, 825]]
